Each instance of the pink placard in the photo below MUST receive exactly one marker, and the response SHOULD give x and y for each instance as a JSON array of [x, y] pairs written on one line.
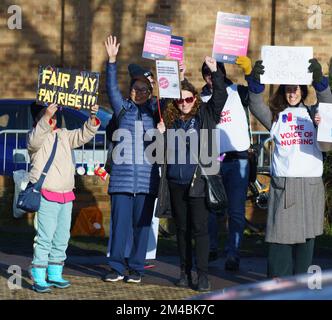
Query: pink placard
[[176, 49], [231, 37], [156, 43], [231, 40]]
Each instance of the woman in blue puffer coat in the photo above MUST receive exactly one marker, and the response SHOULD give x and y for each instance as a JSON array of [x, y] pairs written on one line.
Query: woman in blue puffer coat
[[133, 180]]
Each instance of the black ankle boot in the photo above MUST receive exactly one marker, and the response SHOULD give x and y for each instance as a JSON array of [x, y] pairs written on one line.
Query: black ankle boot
[[232, 264], [185, 280], [203, 283]]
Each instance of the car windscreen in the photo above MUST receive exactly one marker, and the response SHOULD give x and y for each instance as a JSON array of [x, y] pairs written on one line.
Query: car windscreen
[[15, 116], [104, 116], [74, 119]]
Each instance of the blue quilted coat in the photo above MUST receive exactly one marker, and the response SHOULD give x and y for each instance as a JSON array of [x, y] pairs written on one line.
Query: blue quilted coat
[[130, 175]]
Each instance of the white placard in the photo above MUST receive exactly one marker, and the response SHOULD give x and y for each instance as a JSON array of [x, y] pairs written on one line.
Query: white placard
[[168, 79], [151, 250], [286, 65], [325, 127]]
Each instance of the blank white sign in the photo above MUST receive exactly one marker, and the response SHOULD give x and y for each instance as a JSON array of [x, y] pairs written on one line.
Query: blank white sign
[[286, 65]]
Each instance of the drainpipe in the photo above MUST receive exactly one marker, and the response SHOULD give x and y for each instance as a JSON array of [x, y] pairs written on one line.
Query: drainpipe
[[273, 30], [62, 35]]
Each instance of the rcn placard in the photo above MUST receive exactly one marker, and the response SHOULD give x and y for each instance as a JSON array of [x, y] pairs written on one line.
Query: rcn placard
[[231, 37], [157, 41], [168, 79]]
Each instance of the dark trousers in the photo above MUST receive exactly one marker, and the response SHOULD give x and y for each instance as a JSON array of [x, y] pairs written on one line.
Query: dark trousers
[[130, 214], [289, 259], [191, 219]]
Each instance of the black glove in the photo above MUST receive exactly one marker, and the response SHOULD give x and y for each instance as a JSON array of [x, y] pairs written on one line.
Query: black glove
[[257, 70], [316, 69]]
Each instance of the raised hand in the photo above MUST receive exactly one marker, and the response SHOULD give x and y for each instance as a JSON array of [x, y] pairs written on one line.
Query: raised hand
[[211, 63], [317, 119], [161, 127], [182, 68], [316, 69], [245, 63], [94, 110], [258, 70], [50, 111], [112, 48]]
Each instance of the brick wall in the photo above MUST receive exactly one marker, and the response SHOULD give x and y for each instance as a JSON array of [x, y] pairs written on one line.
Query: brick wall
[[6, 197], [87, 23], [90, 191]]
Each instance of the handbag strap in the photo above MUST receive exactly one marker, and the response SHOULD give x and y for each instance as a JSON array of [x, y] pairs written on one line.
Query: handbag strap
[[247, 112], [250, 128], [40, 181], [198, 160]]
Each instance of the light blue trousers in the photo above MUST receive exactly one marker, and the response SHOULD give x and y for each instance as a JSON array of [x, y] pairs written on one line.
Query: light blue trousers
[[52, 224]]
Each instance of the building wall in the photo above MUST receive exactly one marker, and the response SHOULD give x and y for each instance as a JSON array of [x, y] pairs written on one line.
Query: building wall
[[71, 34]]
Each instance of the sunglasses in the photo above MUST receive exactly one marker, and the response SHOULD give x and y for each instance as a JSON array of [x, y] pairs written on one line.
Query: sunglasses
[[187, 100], [143, 91]]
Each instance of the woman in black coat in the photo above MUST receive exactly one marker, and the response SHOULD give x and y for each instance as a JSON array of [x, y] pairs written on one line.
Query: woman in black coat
[[182, 188]]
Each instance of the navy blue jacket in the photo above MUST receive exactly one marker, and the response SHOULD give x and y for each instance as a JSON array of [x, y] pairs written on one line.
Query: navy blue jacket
[[131, 176], [183, 173]]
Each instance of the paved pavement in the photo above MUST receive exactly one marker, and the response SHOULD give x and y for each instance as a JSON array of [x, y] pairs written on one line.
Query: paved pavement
[[86, 272]]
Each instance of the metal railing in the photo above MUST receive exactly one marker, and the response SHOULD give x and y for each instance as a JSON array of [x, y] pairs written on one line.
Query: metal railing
[[263, 140], [17, 156], [82, 155], [5, 133]]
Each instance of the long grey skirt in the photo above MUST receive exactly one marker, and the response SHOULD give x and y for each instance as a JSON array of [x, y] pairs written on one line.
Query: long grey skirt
[[295, 210]]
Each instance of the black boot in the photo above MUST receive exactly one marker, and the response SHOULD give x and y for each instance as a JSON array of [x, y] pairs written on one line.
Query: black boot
[[213, 255], [185, 280], [203, 283], [232, 264]]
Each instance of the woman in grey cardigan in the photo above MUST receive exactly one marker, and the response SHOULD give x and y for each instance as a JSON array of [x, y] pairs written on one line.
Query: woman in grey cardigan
[[296, 203]]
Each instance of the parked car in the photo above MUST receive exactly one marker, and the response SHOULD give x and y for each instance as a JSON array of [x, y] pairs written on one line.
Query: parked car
[[315, 286], [15, 116]]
